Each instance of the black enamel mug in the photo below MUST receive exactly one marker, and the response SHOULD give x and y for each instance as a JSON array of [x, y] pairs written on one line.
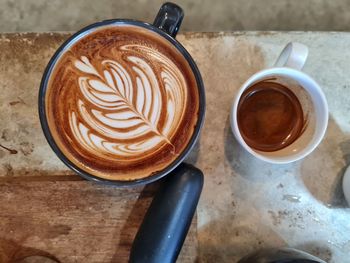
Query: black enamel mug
[[166, 25]]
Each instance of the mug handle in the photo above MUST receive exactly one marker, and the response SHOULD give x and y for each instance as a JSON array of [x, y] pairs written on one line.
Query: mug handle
[[294, 56], [168, 218], [169, 18]]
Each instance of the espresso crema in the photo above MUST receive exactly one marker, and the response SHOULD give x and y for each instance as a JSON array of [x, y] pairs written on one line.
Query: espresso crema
[[270, 116], [122, 102]]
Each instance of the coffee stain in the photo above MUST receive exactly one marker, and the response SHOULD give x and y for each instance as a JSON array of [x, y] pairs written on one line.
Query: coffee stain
[[11, 151], [292, 198], [5, 134], [278, 217], [23, 127], [26, 148], [15, 102], [57, 230], [280, 185], [295, 219], [8, 169]]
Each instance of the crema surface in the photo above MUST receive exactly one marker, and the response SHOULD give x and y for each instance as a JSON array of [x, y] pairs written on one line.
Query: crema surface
[[122, 102]]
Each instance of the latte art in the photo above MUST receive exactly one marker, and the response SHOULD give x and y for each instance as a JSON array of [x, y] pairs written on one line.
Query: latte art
[[122, 103], [125, 118]]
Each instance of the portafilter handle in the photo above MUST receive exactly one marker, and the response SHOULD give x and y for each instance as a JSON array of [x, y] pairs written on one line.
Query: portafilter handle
[[168, 219]]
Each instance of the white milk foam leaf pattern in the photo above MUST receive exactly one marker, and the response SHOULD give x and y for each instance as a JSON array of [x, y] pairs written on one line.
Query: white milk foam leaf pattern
[[114, 94], [123, 103]]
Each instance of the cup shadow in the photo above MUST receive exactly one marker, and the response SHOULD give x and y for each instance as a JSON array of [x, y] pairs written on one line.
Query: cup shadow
[[338, 198], [242, 240], [245, 164], [316, 249], [12, 252], [133, 222], [322, 171], [193, 155]]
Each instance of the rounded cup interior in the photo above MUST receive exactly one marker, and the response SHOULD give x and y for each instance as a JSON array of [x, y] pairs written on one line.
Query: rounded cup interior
[[314, 106]]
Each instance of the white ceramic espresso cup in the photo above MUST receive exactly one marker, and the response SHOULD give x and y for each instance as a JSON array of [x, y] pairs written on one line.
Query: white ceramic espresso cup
[[287, 71]]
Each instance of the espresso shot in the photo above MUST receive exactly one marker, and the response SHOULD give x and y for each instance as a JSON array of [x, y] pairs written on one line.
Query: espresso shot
[[270, 116]]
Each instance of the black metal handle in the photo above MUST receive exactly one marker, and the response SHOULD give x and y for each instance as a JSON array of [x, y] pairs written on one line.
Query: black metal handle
[[168, 219], [169, 18]]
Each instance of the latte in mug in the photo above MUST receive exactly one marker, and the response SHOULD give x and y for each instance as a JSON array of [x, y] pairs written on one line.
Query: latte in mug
[[122, 102]]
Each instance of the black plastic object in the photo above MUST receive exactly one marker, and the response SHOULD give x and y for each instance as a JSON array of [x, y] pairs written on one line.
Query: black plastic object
[[169, 18], [280, 255], [167, 221]]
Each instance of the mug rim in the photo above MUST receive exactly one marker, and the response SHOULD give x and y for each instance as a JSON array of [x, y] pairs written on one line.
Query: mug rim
[[43, 116], [289, 158]]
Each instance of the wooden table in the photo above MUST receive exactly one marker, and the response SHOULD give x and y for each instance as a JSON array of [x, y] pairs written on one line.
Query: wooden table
[[73, 220]]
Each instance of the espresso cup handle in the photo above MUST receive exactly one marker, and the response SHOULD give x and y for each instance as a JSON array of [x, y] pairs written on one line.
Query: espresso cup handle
[[169, 18], [294, 56]]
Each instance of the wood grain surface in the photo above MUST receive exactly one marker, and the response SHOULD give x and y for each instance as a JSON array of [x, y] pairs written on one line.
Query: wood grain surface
[[73, 220]]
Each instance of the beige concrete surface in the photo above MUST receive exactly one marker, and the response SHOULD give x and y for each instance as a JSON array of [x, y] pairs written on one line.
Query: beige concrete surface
[[246, 204], [201, 15]]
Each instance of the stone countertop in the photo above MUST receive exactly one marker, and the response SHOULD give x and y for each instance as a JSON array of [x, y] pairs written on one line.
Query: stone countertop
[[246, 204]]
